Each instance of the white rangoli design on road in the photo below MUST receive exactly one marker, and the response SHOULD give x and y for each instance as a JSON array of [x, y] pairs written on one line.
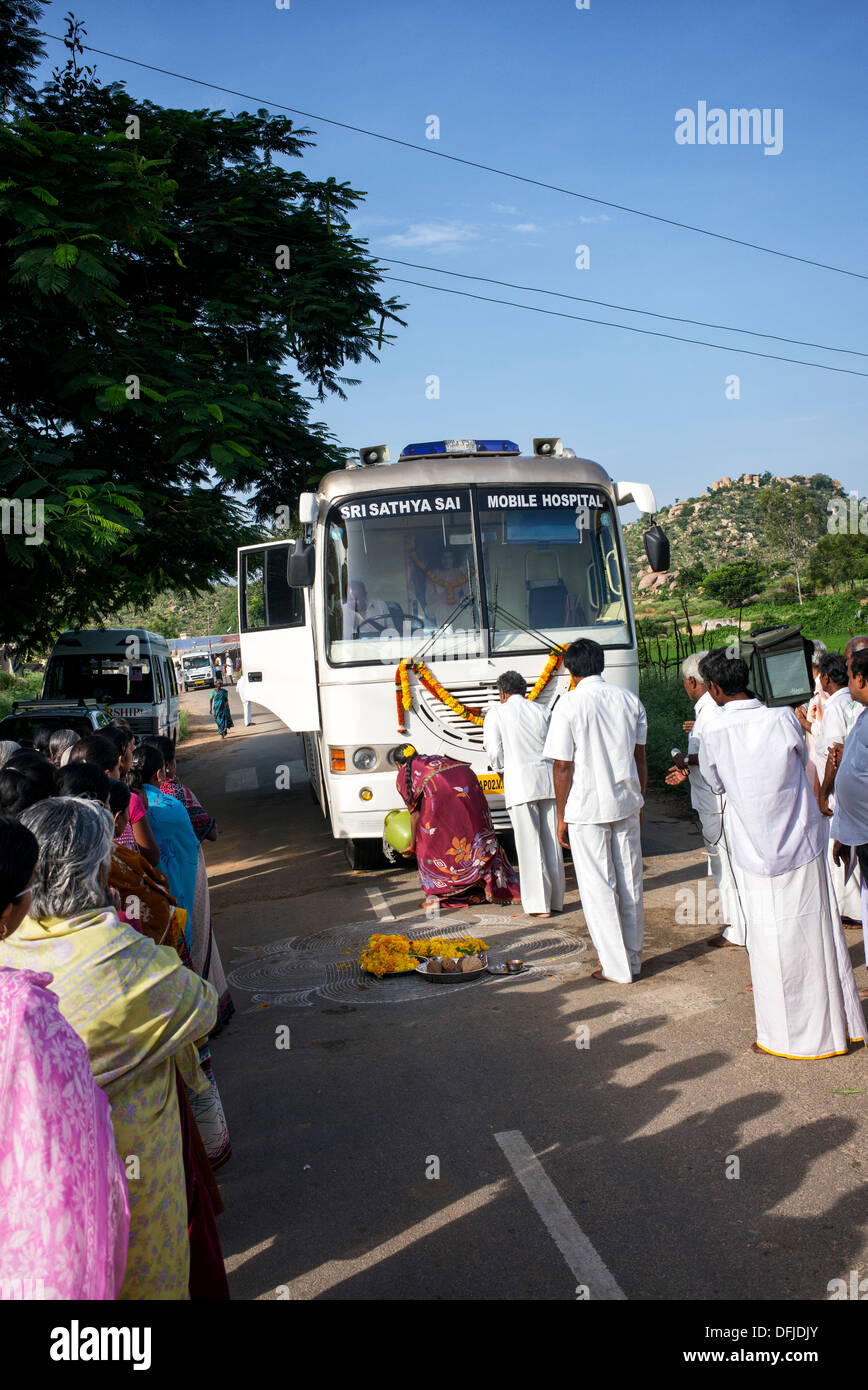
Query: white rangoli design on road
[[304, 970]]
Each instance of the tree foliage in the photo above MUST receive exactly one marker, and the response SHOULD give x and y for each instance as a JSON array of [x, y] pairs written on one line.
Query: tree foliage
[[793, 522], [175, 288], [735, 582]]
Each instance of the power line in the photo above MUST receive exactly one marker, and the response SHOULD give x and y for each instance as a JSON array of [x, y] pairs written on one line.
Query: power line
[[625, 327], [624, 308], [469, 163]]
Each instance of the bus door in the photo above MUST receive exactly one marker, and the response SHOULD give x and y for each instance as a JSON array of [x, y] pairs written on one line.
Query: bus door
[[277, 648]]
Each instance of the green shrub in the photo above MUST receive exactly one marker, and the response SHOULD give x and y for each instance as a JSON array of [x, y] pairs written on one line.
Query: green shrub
[[183, 725], [667, 707]]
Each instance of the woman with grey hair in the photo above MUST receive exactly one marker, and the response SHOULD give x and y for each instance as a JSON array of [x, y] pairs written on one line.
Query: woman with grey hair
[[138, 1011], [7, 747]]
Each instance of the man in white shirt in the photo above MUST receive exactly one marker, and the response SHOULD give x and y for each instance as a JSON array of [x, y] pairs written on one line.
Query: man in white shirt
[[710, 807], [833, 730], [514, 734], [596, 738], [805, 997], [850, 820], [244, 692], [363, 616]]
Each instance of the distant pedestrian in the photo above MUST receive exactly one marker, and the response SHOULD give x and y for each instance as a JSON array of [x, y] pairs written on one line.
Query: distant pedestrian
[[219, 706], [227, 669], [597, 740], [244, 695], [514, 734]]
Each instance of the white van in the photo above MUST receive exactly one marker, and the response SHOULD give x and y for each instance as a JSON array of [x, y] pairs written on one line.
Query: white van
[[128, 671], [197, 670]]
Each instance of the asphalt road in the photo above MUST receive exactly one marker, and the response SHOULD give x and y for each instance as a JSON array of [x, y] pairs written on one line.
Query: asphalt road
[[404, 1140]]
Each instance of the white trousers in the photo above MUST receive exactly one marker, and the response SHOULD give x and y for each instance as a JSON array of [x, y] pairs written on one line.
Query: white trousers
[[608, 860], [804, 994], [245, 705], [847, 894], [715, 836], [540, 858]]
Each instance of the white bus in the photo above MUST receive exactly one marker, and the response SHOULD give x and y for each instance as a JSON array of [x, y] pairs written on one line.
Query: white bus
[[465, 556]]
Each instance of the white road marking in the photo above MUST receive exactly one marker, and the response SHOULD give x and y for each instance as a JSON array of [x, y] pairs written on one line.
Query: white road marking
[[380, 906], [577, 1250], [242, 780]]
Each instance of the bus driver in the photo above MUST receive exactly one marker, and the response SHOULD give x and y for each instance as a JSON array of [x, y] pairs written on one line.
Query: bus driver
[[363, 616]]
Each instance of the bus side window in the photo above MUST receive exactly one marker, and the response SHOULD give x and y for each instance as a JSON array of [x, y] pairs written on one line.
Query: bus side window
[[267, 601], [158, 675]]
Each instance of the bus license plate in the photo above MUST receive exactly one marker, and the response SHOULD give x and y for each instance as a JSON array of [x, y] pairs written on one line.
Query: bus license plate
[[491, 783]]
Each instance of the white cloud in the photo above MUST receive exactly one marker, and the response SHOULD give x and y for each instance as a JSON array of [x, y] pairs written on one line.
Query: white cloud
[[600, 217], [526, 227], [503, 207], [432, 235]]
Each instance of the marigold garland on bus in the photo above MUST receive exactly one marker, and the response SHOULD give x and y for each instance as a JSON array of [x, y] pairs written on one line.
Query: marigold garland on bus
[[404, 700]]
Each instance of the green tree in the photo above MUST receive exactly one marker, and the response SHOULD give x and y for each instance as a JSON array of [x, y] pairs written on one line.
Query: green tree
[[793, 521], [837, 560], [690, 577], [175, 286], [735, 582]]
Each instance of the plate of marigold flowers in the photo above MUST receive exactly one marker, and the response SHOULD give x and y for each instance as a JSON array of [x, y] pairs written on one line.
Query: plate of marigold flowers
[[388, 955]]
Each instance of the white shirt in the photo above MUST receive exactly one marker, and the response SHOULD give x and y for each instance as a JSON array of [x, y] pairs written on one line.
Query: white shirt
[[833, 726], [850, 821], [757, 756], [853, 714], [514, 734], [375, 610], [701, 795], [596, 727]]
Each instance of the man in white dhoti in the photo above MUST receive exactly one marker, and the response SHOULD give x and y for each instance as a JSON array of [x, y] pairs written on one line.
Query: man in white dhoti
[[850, 820], [834, 680], [710, 807], [805, 997], [596, 737], [836, 750], [514, 734]]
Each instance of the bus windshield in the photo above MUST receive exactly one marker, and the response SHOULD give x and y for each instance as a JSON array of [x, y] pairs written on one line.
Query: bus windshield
[[403, 568], [108, 679], [400, 567], [551, 565]]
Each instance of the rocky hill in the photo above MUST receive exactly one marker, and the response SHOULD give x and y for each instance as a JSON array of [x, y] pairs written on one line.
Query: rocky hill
[[724, 523]]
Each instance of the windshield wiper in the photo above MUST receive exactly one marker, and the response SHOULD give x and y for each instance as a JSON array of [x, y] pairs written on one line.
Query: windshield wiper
[[450, 617], [523, 627]]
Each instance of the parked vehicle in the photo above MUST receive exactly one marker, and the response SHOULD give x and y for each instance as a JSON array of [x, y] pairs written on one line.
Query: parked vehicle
[[197, 671], [127, 671], [84, 716]]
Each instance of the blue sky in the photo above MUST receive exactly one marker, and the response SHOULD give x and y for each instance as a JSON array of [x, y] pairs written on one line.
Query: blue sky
[[585, 99]]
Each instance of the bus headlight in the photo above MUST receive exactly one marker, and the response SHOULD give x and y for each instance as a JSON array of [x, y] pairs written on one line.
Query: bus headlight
[[364, 759]]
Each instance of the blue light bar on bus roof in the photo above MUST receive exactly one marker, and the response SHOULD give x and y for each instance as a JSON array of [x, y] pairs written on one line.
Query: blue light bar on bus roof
[[460, 446]]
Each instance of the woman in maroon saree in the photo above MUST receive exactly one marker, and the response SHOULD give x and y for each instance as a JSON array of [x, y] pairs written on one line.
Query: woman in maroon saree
[[459, 857]]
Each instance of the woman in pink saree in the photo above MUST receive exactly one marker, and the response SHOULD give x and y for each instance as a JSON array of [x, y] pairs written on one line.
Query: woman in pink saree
[[64, 1212], [456, 846]]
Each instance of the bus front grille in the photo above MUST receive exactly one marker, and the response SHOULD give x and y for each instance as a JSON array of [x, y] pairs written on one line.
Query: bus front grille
[[479, 697]]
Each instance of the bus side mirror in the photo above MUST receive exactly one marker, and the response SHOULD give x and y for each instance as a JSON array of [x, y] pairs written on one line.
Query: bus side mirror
[[300, 565], [657, 548]]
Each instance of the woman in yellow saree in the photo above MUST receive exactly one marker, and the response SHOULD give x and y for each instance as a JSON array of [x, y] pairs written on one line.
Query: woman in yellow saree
[[138, 1011]]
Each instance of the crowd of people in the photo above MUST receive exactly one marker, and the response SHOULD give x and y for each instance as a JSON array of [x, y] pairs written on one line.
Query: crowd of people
[[111, 987], [782, 798]]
